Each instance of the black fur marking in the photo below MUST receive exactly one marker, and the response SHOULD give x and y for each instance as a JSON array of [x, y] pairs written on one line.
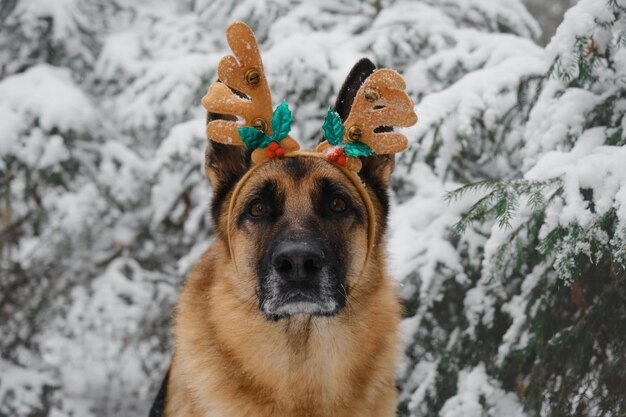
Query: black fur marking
[[379, 188], [220, 193], [327, 189], [331, 246], [358, 74], [158, 406], [229, 163], [296, 168], [268, 194]]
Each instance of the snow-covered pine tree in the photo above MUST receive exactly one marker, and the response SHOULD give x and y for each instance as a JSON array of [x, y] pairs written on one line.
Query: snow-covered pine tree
[[530, 322], [112, 168], [49, 148], [60, 34], [70, 188]]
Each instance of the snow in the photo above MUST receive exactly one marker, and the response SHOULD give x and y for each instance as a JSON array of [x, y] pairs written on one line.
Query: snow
[[424, 375], [419, 224], [454, 109], [478, 308], [555, 118], [516, 308], [581, 21], [178, 164], [479, 397], [58, 11], [48, 94], [73, 211], [54, 152], [589, 165], [102, 147], [23, 384]]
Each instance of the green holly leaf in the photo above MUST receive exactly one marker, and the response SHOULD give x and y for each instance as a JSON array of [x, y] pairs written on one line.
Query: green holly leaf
[[266, 141], [281, 122], [358, 149], [253, 138], [333, 128]]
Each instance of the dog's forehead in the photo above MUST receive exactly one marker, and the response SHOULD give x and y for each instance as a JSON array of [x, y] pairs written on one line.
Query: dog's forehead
[[301, 172]]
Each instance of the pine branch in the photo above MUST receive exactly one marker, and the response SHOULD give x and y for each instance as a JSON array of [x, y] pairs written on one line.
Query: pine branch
[[475, 213], [461, 192], [506, 196], [505, 208]]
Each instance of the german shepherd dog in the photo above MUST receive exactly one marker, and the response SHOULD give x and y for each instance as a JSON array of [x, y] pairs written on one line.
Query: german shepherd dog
[[296, 326]]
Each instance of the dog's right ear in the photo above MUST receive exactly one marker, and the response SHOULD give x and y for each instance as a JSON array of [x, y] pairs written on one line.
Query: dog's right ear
[[224, 165], [357, 76], [370, 104]]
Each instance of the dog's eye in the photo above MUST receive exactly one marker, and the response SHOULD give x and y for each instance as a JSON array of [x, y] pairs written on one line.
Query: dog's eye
[[258, 208], [338, 205]]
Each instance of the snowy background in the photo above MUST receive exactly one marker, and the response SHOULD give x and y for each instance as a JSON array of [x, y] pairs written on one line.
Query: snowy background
[[514, 285]]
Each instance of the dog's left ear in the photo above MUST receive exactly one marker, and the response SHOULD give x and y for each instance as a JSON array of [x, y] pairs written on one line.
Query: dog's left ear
[[224, 165], [375, 170]]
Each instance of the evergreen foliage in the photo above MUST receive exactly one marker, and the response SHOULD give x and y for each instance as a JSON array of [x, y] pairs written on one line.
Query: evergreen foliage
[[514, 285], [550, 290]]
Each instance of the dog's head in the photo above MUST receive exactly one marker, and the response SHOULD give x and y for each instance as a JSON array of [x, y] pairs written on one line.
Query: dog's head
[[298, 228]]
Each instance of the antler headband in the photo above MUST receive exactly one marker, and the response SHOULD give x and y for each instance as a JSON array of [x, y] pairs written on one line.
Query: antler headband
[[242, 92]]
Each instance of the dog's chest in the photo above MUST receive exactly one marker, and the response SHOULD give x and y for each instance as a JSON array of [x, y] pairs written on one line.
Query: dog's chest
[[301, 379]]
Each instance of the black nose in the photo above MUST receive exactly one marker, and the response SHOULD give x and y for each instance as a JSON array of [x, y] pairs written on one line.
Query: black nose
[[298, 261]]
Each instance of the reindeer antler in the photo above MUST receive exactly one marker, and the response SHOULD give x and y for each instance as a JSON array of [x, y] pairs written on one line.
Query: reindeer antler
[[241, 74], [243, 94], [380, 102]]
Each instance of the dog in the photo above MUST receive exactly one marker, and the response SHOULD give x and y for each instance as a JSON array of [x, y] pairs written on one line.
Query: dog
[[290, 312]]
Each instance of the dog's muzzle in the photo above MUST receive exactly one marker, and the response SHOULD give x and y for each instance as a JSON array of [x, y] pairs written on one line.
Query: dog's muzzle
[[301, 277]]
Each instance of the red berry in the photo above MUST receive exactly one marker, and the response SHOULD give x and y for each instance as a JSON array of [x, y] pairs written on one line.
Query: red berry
[[334, 152], [270, 153], [280, 151], [273, 146], [341, 160]]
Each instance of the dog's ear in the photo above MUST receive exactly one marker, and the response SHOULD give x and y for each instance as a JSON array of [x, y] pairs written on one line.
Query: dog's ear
[[358, 74], [224, 165], [375, 170]]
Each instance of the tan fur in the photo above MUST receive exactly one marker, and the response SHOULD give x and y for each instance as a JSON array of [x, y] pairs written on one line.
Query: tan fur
[[230, 361]]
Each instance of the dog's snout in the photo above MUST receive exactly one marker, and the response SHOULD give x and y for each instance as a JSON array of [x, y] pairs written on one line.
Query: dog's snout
[[298, 261], [299, 274]]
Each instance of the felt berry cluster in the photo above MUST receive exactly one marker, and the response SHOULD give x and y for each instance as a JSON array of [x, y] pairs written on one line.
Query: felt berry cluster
[[336, 154], [341, 150], [257, 139], [274, 150]]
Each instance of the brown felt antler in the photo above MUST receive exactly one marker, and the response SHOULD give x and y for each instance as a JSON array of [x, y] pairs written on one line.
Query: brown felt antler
[[380, 102], [241, 74]]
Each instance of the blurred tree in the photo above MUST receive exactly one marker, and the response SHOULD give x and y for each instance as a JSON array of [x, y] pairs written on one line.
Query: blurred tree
[[38, 31], [104, 205], [549, 15], [544, 306]]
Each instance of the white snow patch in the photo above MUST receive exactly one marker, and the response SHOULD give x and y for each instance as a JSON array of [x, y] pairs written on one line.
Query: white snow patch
[[480, 396]]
